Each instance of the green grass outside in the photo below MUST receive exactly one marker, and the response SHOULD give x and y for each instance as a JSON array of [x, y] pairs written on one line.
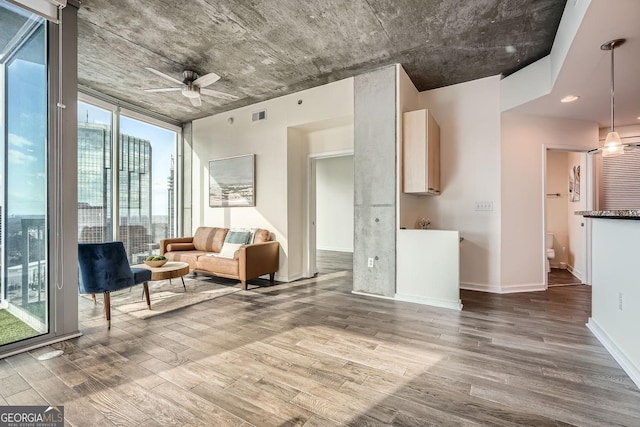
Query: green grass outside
[[37, 309], [13, 329]]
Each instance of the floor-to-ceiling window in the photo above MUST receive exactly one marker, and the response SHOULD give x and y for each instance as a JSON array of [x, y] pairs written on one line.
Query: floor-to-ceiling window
[[147, 187], [23, 203], [95, 179], [138, 162]]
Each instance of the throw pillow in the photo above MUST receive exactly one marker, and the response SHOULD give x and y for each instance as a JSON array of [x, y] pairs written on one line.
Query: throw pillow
[[238, 236], [229, 250]]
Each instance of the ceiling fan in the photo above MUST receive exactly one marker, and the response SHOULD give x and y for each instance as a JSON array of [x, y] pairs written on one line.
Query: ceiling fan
[[192, 86]]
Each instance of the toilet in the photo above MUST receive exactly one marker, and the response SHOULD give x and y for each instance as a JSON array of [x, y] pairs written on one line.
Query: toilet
[[551, 254]]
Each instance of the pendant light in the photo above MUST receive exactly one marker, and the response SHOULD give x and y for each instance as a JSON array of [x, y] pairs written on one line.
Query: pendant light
[[613, 144]]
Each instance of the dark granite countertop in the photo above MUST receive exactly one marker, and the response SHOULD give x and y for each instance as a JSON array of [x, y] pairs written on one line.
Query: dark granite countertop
[[615, 214]]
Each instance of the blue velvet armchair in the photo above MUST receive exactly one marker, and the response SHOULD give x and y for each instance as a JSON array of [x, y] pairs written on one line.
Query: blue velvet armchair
[[104, 268]]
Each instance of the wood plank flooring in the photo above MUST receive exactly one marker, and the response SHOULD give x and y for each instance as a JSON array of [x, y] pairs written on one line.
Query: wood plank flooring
[[561, 277], [333, 261], [311, 353]]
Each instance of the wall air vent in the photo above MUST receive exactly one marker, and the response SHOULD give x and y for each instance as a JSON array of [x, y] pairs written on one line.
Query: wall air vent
[[259, 116]]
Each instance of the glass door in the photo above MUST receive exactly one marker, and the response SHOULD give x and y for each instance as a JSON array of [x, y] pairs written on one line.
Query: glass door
[[24, 284]]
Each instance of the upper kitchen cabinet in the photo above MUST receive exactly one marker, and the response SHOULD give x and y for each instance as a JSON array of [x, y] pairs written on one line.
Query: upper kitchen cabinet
[[421, 153]]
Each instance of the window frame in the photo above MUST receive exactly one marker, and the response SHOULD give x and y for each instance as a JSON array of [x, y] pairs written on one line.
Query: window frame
[[116, 112]]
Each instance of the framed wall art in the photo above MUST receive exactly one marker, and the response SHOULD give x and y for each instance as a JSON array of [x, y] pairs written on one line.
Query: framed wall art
[[575, 180], [232, 181]]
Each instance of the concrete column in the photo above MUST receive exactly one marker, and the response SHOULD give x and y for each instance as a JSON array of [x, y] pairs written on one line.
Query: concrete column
[[375, 182]]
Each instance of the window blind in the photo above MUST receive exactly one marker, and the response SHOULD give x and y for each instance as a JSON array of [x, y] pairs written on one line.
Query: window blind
[[621, 181]]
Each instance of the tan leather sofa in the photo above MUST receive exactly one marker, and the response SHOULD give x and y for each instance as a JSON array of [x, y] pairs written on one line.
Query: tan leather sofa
[[203, 253]]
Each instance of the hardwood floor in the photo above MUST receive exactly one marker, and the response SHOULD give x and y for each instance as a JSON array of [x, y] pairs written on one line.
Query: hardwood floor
[[311, 353], [333, 261], [561, 277]]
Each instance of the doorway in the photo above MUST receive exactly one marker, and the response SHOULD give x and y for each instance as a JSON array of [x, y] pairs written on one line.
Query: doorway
[[567, 190], [331, 212]]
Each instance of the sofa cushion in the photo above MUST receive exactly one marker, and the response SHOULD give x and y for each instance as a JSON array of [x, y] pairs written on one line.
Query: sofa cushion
[[218, 265], [179, 247], [209, 239], [189, 257], [261, 236]]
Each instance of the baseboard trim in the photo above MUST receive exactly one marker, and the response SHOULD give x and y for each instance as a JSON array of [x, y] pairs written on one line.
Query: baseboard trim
[[480, 287], [435, 302], [559, 265], [335, 249], [619, 356], [525, 287], [509, 289], [286, 279], [575, 272], [365, 294]]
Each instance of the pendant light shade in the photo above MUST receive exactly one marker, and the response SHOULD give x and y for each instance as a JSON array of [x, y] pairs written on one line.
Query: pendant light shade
[[613, 144]]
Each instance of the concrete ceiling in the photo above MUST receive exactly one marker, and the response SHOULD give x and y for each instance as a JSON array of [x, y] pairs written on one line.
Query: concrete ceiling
[[586, 71], [265, 49]]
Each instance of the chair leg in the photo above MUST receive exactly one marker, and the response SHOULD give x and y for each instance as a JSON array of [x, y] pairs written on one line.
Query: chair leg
[[146, 294], [107, 308], [94, 299]]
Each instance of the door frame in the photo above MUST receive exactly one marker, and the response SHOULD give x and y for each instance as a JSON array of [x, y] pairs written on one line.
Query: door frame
[[310, 268], [588, 177]]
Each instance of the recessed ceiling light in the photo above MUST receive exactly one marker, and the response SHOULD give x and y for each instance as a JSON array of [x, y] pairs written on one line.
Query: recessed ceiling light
[[569, 98]]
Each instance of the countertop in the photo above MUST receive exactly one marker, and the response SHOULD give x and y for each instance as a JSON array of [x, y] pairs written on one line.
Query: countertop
[[613, 214]]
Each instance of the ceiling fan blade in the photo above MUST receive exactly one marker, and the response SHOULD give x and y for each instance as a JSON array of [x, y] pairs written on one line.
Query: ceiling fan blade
[[163, 75], [164, 89], [196, 102], [217, 94], [206, 80]]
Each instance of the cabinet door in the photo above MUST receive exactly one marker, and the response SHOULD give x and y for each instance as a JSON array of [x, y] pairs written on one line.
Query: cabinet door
[[421, 153], [433, 155]]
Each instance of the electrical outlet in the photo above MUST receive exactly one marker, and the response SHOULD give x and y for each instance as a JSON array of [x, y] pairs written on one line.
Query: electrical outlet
[[484, 206], [370, 262], [620, 300]]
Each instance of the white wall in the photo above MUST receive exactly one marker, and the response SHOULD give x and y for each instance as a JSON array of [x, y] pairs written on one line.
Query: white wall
[[411, 207], [428, 268], [334, 204], [557, 207], [615, 294], [524, 140], [337, 137], [577, 249], [214, 137], [469, 119]]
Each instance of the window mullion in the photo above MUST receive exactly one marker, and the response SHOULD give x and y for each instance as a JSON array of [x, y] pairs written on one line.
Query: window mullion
[[115, 176]]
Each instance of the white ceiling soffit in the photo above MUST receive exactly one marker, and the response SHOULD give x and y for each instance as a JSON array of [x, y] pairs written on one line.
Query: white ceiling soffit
[[586, 71]]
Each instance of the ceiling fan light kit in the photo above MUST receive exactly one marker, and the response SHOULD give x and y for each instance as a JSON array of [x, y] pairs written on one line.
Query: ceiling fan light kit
[[192, 86]]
